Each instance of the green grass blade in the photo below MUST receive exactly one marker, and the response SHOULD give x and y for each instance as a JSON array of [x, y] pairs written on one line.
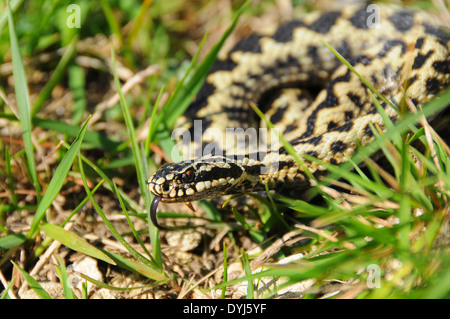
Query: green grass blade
[[153, 124], [440, 288], [91, 139], [112, 22], [101, 284], [404, 212], [13, 4], [149, 266], [64, 279], [437, 104], [37, 288], [183, 97], [304, 207], [180, 94], [289, 148], [10, 176], [139, 21], [108, 182], [172, 109], [56, 77], [142, 175], [367, 83], [11, 241], [5, 292], [77, 84], [133, 230], [74, 242], [137, 267], [248, 272], [23, 103], [225, 269], [170, 106], [39, 250], [58, 179]]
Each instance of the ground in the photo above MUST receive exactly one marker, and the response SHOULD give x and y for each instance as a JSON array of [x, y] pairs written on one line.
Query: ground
[[70, 76]]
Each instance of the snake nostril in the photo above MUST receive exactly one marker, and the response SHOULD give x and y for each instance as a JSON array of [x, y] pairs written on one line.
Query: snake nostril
[[165, 187]]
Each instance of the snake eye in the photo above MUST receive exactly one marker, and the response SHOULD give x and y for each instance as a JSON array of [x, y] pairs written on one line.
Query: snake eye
[[188, 176]]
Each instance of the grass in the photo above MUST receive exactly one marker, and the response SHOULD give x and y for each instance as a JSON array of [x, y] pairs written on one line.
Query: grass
[[73, 172]]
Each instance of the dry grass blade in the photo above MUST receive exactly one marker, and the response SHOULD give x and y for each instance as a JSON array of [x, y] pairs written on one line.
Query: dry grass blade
[[363, 213]]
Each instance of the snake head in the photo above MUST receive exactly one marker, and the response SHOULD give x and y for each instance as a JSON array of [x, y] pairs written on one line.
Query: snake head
[[188, 181], [203, 178], [207, 177]]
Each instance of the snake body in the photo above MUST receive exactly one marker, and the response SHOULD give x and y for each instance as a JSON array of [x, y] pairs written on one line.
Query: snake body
[[319, 105]]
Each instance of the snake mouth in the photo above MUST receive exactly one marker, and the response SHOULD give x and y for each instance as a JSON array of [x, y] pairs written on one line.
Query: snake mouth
[[169, 196]]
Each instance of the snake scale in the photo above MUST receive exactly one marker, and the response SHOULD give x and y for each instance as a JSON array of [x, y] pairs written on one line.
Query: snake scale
[[319, 105]]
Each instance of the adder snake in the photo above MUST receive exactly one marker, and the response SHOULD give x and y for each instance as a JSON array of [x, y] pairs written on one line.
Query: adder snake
[[316, 102]]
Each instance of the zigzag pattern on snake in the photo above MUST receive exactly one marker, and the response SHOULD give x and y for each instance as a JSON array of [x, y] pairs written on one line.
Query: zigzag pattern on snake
[[318, 104]]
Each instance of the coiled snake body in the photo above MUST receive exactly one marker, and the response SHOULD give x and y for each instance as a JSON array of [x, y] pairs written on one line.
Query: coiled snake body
[[321, 107]]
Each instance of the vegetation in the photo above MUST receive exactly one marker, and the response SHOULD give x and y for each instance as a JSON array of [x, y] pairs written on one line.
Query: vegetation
[[87, 106]]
